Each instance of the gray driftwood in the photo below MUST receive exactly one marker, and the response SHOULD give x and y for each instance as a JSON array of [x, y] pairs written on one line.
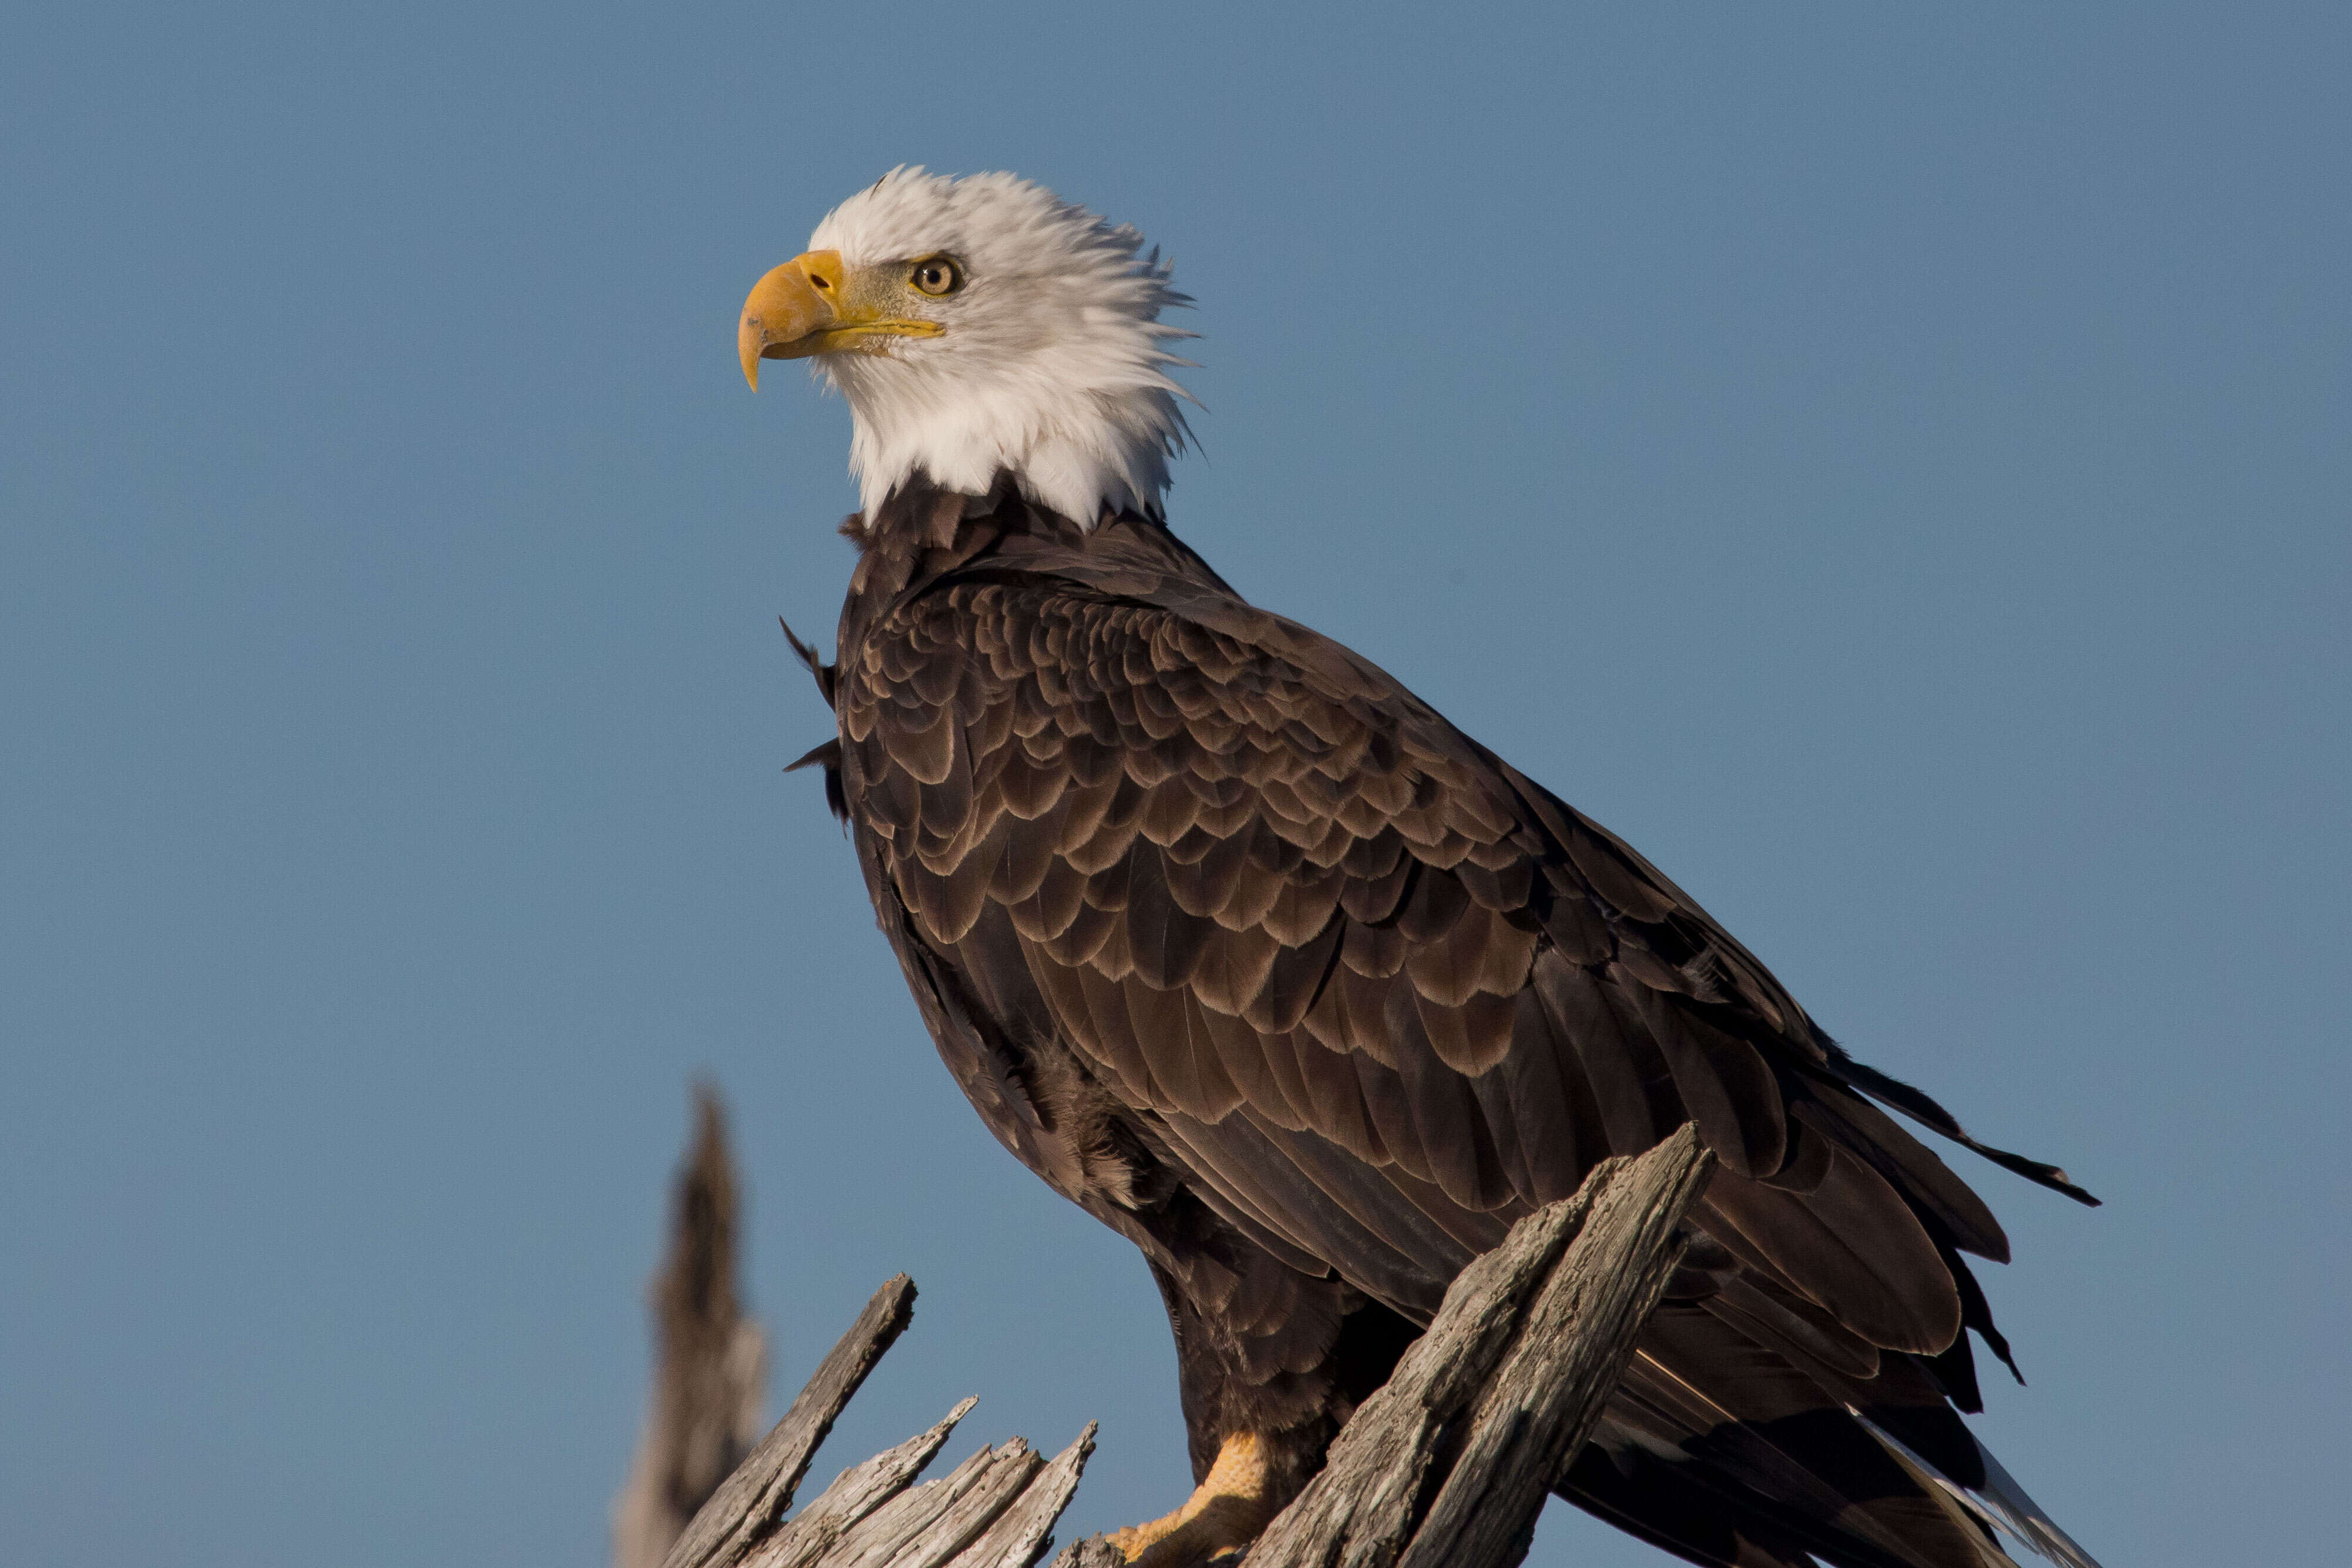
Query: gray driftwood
[[746, 1511], [994, 1511], [1447, 1467], [1450, 1463]]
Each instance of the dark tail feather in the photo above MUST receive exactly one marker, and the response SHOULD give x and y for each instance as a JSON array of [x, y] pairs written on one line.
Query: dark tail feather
[[1999, 1504], [1922, 1109]]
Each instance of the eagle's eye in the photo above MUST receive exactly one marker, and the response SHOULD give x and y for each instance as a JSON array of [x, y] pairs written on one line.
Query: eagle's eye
[[935, 276]]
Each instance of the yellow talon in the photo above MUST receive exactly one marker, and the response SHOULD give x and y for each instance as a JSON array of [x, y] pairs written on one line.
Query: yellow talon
[[1225, 1513]]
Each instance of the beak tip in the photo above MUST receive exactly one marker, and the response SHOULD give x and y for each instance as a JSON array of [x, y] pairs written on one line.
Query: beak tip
[[749, 341]]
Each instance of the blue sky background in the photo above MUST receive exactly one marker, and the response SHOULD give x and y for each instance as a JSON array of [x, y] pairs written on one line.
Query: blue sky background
[[1893, 467]]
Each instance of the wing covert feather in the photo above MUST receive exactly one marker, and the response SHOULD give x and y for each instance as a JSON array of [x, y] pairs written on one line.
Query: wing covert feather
[[1250, 877]]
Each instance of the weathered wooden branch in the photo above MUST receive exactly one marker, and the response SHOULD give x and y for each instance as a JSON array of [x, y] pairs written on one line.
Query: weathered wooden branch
[[742, 1513], [1446, 1467]]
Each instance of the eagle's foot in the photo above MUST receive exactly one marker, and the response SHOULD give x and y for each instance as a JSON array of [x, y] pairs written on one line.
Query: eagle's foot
[[1223, 1514]]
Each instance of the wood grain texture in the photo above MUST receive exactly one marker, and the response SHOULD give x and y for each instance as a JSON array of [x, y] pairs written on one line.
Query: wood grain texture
[[1451, 1462], [996, 1509], [744, 1510], [858, 1494], [1092, 1552], [1022, 1533]]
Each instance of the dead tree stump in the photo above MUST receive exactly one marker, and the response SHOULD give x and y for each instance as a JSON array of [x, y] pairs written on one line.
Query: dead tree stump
[[711, 1362], [1446, 1467]]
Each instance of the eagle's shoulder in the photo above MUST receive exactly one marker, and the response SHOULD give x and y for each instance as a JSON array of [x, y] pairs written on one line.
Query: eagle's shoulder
[[1166, 786]]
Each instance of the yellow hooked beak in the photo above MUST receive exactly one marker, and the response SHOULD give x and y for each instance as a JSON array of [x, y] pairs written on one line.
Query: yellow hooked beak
[[812, 305]]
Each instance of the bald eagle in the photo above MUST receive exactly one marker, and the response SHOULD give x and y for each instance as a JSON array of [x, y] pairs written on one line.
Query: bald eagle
[[1250, 954]]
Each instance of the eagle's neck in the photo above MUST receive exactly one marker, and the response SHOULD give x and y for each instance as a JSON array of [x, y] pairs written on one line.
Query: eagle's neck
[[1081, 433]]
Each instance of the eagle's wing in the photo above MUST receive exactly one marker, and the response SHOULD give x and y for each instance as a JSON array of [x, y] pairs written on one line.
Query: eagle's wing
[[1382, 995]]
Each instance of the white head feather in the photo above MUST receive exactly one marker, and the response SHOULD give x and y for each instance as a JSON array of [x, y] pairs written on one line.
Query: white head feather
[[1051, 366]]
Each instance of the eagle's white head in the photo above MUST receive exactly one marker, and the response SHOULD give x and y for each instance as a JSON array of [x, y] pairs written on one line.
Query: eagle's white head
[[983, 325]]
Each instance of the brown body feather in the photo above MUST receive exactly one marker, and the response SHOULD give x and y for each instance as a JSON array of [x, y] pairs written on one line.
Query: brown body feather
[[1250, 952]]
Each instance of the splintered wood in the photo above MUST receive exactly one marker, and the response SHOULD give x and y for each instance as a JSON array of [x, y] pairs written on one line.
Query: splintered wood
[[1450, 1463], [1446, 1467]]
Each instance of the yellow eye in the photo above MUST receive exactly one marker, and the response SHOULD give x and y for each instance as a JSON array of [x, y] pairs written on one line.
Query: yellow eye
[[935, 276]]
